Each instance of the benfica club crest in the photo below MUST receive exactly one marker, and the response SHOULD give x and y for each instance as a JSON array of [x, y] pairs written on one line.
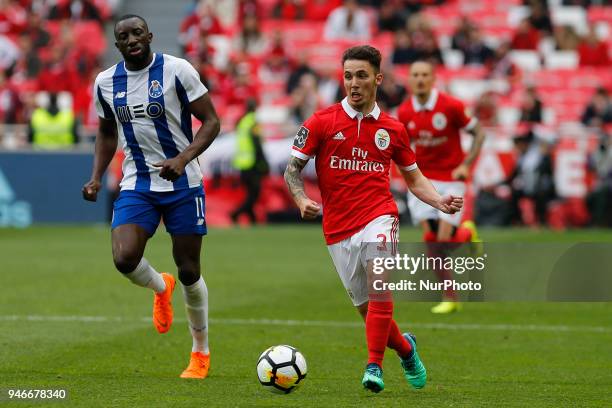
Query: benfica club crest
[[439, 121], [382, 139], [155, 90]]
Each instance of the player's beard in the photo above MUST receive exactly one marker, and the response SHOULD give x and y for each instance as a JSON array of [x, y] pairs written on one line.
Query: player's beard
[[141, 59]]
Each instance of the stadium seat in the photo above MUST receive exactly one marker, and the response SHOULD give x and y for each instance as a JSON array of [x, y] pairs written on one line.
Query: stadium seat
[[453, 59], [526, 60], [574, 16], [561, 60]]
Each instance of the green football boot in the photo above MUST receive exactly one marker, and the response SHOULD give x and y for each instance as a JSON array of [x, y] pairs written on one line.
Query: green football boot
[[414, 370], [373, 378]]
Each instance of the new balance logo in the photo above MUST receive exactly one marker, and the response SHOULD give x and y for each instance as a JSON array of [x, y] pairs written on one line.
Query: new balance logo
[[339, 136], [120, 95]]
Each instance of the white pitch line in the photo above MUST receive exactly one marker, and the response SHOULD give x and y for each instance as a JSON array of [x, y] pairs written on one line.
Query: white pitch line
[[313, 323]]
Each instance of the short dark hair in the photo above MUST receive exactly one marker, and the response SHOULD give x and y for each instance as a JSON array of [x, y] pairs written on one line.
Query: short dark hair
[[364, 53], [128, 16]]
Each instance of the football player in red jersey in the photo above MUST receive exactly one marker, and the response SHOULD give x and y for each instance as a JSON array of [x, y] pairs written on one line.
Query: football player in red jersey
[[354, 144], [434, 121]]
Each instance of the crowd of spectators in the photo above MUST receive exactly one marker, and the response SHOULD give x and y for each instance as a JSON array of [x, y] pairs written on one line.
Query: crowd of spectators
[[51, 46]]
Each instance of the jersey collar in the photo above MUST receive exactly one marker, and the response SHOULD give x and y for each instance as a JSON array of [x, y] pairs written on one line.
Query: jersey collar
[[429, 105], [352, 112]]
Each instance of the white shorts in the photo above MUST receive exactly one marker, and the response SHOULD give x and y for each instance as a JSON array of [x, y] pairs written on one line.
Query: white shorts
[[351, 255], [420, 211]]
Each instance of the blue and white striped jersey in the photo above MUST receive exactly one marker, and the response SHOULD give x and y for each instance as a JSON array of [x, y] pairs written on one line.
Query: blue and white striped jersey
[[150, 108]]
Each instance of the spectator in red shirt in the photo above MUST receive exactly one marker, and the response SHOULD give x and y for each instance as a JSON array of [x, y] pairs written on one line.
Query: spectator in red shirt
[[202, 20], [10, 105], [593, 52], [12, 18], [526, 37], [319, 10]]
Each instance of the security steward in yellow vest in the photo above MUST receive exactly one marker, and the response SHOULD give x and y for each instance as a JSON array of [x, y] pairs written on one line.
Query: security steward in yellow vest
[[52, 128], [250, 160]]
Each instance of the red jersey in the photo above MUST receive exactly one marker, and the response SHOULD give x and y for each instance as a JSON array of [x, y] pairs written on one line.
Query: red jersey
[[353, 159], [434, 129]]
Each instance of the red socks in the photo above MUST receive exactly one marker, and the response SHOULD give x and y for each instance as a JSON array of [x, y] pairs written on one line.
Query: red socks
[[378, 322], [397, 342]]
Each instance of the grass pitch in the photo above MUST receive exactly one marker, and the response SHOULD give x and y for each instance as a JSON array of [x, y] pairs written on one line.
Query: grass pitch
[[69, 320]]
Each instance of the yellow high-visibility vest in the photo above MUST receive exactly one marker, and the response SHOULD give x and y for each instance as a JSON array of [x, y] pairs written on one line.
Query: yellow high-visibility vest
[[52, 131], [244, 158]]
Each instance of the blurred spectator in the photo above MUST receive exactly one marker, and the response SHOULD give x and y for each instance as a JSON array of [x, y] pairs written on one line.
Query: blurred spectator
[[330, 90], [202, 22], [532, 178], [250, 40], [592, 51], [403, 52], [248, 8], [240, 86], [35, 30], [289, 10], [502, 67], [531, 106], [485, 109], [566, 38], [540, 18], [10, 104], [9, 53], [390, 16], [302, 67], [599, 199], [12, 18], [305, 98], [319, 10], [598, 112], [526, 37], [390, 93], [276, 65], [348, 22], [249, 160], [475, 51], [75, 10], [430, 51], [423, 39], [52, 127], [461, 35]]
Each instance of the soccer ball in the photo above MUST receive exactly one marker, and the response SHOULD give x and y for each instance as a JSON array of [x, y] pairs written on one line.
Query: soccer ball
[[281, 369]]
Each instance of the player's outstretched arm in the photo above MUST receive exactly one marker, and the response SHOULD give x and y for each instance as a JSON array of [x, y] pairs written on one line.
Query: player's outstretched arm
[[203, 109], [462, 172], [422, 188], [293, 177], [106, 145]]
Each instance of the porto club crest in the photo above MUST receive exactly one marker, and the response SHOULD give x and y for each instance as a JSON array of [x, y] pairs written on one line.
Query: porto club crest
[[155, 90]]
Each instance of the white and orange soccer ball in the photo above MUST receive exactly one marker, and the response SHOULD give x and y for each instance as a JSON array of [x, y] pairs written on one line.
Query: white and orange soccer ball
[[281, 369]]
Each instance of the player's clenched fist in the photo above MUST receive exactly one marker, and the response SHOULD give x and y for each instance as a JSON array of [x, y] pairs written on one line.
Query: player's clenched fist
[[90, 190], [171, 169], [309, 209], [451, 204]]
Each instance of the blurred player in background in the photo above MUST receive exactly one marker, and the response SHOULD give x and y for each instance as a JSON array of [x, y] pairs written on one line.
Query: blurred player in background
[[354, 144], [147, 101], [434, 121]]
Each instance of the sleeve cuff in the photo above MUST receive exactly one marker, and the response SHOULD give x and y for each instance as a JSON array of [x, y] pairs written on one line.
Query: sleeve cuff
[[471, 124], [412, 167], [198, 95], [299, 155]]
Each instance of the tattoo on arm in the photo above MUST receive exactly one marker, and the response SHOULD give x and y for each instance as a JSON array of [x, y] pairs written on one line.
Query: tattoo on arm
[[293, 177]]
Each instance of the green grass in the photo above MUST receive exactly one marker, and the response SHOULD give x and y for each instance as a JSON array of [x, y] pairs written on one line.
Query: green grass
[[278, 273]]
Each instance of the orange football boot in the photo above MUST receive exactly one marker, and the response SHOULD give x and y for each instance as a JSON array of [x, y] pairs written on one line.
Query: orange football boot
[[198, 366], [162, 305]]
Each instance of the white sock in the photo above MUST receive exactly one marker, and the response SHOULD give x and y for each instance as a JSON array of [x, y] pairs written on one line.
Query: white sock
[[196, 304], [144, 275]]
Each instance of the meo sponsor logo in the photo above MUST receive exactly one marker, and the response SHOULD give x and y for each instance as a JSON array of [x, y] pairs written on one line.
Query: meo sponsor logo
[[128, 113]]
